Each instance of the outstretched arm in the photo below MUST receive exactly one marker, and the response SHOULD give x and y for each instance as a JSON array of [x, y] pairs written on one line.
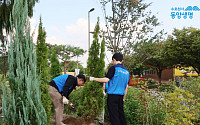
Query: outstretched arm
[[102, 80]]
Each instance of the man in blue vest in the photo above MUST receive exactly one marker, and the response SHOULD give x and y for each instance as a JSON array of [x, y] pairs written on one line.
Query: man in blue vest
[[60, 88], [117, 78]]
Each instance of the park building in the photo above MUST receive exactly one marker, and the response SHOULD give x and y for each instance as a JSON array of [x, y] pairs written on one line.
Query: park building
[[167, 75]]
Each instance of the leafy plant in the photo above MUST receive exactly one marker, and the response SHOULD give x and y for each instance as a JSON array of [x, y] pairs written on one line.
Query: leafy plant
[[181, 107], [192, 85], [152, 110], [166, 88], [132, 108], [151, 83]]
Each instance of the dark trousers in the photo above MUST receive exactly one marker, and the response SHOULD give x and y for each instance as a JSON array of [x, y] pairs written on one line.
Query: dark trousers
[[116, 109]]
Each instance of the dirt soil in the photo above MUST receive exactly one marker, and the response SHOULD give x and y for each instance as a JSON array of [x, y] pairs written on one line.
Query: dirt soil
[[71, 120]]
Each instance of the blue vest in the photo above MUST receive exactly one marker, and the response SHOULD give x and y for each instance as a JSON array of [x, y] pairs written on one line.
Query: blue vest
[[106, 86], [119, 81], [60, 81]]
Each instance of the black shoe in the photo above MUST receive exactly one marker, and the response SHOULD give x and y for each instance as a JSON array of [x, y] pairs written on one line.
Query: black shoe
[[100, 123]]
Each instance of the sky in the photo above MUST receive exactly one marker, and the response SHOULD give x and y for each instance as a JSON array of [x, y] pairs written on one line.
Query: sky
[[66, 21]]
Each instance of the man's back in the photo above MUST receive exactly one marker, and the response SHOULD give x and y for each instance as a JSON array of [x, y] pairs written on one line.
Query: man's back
[[119, 81]]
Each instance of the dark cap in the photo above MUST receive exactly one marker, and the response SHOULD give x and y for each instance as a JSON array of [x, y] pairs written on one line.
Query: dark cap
[[81, 76], [117, 57]]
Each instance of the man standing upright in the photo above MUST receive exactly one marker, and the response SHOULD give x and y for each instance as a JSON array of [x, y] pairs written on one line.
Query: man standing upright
[[117, 78]]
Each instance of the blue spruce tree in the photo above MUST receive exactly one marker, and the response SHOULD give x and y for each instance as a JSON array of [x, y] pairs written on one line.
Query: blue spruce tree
[[21, 99]]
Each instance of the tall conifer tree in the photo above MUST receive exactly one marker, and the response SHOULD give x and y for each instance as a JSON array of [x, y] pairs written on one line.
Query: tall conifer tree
[[91, 103], [42, 70], [21, 100]]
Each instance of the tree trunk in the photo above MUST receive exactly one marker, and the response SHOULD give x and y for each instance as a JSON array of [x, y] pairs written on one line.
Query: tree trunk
[[159, 74], [65, 66]]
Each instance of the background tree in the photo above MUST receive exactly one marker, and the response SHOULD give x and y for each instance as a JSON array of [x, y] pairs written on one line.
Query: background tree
[[21, 100], [55, 69], [152, 55], [66, 52], [183, 47], [72, 65], [78, 52], [63, 54], [42, 70], [6, 7], [157, 60], [133, 65], [127, 24], [91, 102]]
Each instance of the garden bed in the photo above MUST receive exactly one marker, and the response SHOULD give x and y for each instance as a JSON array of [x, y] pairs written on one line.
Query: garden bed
[[72, 120]]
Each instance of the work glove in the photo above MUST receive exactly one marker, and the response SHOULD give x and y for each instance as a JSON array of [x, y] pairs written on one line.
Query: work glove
[[91, 78], [65, 101], [104, 93]]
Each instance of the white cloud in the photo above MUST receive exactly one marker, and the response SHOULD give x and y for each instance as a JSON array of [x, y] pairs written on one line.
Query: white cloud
[[77, 34], [54, 40], [51, 39]]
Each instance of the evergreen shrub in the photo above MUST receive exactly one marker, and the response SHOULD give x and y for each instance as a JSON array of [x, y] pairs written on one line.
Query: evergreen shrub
[[74, 97], [91, 101], [42, 71]]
